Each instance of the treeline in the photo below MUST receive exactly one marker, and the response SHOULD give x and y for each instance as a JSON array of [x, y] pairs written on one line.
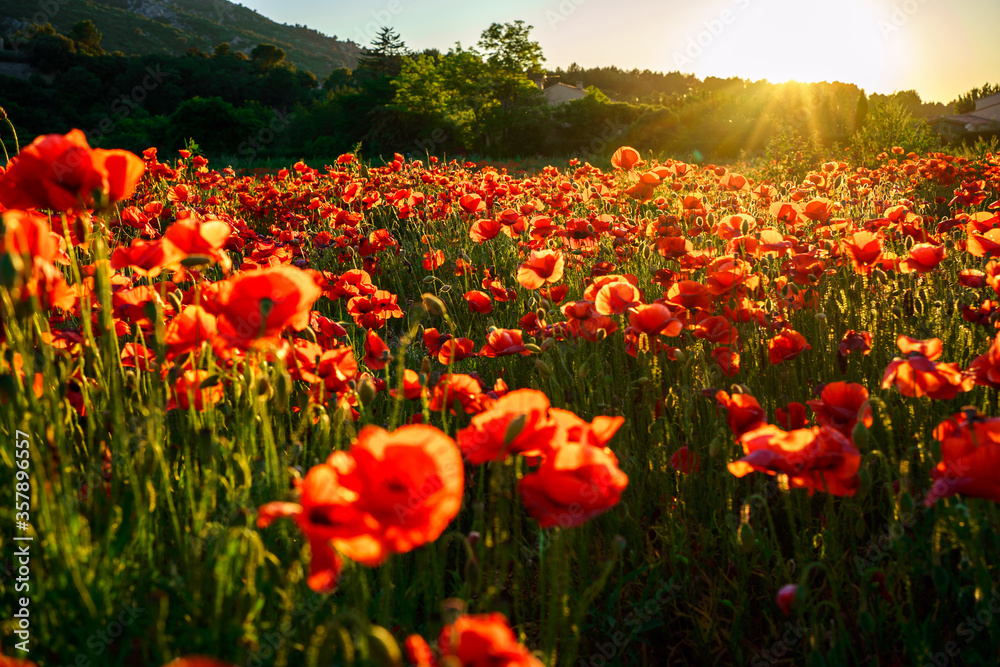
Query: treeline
[[483, 101]]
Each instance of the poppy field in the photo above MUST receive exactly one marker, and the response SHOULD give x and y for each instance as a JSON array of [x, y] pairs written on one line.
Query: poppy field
[[437, 413]]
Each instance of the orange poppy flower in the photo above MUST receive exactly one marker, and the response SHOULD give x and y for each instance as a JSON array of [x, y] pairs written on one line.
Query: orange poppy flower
[[970, 458], [626, 158], [786, 345], [543, 266], [743, 412], [820, 458], [515, 423], [864, 249], [578, 431], [189, 329], [574, 484], [253, 308], [616, 297], [28, 233], [841, 405]]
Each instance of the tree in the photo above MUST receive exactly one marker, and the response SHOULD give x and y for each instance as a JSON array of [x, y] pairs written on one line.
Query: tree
[[507, 47], [267, 56], [384, 56], [967, 102], [87, 39]]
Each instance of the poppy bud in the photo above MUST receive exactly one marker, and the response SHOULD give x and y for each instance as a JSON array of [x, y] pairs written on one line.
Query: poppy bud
[[196, 261], [175, 300], [3, 114], [434, 305], [309, 334], [543, 369], [531, 347], [366, 390], [425, 366], [445, 289], [263, 387], [283, 388], [473, 538], [786, 596], [547, 344], [859, 436]]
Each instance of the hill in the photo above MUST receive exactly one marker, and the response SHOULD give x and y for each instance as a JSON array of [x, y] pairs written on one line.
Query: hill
[[138, 27]]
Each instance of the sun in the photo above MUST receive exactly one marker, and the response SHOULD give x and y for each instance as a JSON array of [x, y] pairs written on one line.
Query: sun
[[790, 40]]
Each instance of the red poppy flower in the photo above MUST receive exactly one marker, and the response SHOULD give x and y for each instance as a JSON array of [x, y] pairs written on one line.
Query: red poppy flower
[[377, 353], [456, 349], [391, 493], [727, 360], [985, 369], [970, 458], [853, 341], [923, 257], [791, 417], [188, 392], [690, 295], [555, 294], [786, 345], [543, 266], [197, 661], [652, 319], [685, 461], [819, 458], [919, 375], [482, 641], [191, 235], [516, 423], [479, 302], [743, 412], [503, 342], [841, 405], [785, 597], [412, 387], [464, 390], [255, 307], [484, 230], [574, 484], [62, 173]]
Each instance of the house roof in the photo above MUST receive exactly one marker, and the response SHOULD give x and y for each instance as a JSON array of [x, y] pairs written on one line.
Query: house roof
[[558, 93]]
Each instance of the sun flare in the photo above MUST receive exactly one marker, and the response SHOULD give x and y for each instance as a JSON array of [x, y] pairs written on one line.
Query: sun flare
[[786, 40]]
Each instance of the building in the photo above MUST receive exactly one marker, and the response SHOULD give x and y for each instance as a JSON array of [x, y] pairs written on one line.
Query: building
[[984, 120]]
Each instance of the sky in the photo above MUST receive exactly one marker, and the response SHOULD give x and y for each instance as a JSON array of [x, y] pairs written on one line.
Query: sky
[[940, 48]]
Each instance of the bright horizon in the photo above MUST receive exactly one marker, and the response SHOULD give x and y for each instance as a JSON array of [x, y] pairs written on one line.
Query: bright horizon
[[940, 49]]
